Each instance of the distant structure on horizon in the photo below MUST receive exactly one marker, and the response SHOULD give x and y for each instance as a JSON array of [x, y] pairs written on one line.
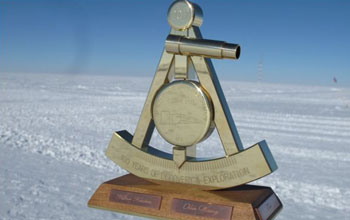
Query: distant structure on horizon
[[335, 80], [260, 69]]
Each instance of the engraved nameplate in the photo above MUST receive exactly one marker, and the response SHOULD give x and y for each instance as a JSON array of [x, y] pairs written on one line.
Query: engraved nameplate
[[267, 208], [201, 209], [132, 198]]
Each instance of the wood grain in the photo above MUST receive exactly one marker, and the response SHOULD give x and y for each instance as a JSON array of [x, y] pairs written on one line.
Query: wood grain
[[238, 203]]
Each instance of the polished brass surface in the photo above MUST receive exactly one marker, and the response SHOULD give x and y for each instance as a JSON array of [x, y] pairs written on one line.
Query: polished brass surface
[[245, 166], [179, 155], [185, 103], [182, 15], [202, 47], [222, 116], [145, 125], [182, 113], [181, 67], [185, 111]]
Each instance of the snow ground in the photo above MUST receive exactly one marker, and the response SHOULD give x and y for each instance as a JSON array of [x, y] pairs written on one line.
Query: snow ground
[[54, 130]]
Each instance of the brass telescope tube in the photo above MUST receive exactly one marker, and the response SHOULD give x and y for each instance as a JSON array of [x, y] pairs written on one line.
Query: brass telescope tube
[[201, 47]]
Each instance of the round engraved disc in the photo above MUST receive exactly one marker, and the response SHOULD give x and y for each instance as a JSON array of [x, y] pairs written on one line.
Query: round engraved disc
[[181, 15], [182, 113]]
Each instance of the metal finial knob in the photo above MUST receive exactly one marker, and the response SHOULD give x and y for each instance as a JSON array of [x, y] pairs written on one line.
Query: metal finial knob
[[183, 14]]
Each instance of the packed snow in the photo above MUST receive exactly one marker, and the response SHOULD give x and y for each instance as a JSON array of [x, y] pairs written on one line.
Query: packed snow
[[54, 130]]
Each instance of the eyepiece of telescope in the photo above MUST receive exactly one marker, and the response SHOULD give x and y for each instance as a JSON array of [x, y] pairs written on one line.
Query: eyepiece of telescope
[[201, 47]]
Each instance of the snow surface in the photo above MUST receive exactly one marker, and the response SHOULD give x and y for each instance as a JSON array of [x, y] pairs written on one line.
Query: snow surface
[[54, 130]]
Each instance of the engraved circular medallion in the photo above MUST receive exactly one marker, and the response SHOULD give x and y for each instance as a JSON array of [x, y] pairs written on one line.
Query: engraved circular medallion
[[181, 15], [183, 113]]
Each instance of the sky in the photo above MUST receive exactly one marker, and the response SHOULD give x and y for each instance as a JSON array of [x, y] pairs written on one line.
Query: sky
[[298, 42]]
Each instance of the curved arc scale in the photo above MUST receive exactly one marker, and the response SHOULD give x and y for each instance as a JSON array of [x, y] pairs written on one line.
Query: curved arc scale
[[219, 173]]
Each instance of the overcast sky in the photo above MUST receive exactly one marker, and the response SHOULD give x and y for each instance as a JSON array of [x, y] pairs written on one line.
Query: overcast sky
[[304, 42]]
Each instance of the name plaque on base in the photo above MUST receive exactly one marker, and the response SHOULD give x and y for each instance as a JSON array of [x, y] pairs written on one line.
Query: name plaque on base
[[133, 195], [201, 209], [133, 198], [185, 103]]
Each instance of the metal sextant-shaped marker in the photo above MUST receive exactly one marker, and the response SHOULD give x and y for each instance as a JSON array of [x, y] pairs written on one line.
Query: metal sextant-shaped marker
[[185, 109]]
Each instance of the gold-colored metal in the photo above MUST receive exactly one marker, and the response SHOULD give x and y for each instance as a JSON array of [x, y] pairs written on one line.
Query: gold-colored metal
[[223, 120], [222, 116], [182, 113], [191, 151], [183, 14], [181, 67], [201, 47], [179, 155], [145, 126], [185, 104], [246, 166], [186, 111]]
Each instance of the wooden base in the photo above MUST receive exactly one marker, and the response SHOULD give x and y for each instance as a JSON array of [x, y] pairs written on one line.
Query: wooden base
[[136, 196]]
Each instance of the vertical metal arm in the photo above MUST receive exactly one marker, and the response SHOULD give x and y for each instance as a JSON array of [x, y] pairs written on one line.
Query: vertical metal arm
[[145, 125]]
